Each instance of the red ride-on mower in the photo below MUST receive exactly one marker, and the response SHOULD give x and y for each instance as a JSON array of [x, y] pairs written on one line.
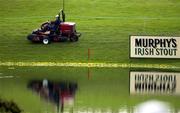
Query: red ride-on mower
[[55, 31]]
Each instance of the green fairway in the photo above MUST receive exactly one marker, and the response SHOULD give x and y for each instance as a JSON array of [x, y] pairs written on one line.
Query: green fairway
[[105, 28]]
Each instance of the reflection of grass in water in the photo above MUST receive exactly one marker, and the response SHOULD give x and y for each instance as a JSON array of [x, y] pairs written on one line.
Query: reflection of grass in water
[[105, 88]]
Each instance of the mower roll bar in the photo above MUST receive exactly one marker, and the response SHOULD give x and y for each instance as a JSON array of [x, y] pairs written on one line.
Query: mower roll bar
[[61, 12]]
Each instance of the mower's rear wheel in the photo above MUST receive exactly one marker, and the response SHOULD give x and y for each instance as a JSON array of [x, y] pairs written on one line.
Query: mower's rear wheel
[[74, 38], [46, 41]]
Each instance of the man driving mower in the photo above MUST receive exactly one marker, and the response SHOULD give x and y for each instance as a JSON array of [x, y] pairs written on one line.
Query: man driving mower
[[56, 31], [55, 25], [51, 28]]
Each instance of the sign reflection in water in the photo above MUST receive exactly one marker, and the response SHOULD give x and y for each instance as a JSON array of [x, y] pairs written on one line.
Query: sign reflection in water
[[155, 83], [59, 93]]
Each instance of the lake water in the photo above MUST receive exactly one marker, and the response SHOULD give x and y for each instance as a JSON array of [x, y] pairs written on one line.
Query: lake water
[[90, 90]]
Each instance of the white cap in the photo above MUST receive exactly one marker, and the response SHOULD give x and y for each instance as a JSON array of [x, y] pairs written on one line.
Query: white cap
[[57, 16]]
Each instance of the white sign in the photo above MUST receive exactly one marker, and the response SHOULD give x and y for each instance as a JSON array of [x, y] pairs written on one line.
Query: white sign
[[154, 47], [155, 83]]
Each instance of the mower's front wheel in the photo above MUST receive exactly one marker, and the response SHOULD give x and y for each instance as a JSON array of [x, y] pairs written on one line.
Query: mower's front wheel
[[46, 41]]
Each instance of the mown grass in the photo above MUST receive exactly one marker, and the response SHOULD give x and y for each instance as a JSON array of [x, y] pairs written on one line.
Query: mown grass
[[105, 27]]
